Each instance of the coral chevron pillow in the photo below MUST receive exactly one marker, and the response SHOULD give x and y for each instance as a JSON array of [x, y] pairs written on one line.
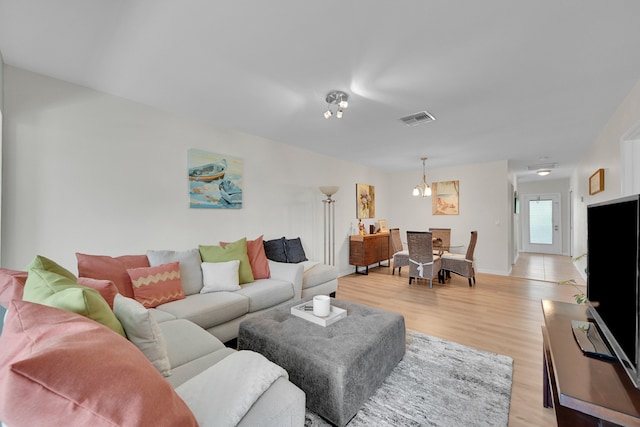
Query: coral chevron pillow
[[157, 285]]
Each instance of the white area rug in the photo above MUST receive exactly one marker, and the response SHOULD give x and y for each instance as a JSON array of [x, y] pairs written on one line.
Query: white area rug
[[438, 383]]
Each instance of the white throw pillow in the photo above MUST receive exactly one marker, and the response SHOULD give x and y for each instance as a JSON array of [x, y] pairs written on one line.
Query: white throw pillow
[[143, 331], [220, 276]]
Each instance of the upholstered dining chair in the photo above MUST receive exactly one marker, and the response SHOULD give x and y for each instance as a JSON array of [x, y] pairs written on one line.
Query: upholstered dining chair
[[444, 234], [423, 264], [462, 264], [400, 254]]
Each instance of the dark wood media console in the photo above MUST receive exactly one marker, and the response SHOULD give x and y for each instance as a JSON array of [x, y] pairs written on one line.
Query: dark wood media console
[[584, 391], [369, 249]]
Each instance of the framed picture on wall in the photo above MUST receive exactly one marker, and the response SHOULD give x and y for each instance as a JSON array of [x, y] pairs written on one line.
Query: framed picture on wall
[[365, 201], [445, 199], [596, 182]]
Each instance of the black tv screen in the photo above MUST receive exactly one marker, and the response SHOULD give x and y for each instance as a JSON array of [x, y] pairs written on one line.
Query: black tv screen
[[613, 276]]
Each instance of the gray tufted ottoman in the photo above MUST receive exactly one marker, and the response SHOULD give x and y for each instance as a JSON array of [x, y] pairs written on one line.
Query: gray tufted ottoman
[[339, 366]]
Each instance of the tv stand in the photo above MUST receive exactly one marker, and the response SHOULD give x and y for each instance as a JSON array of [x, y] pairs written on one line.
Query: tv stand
[[582, 390]]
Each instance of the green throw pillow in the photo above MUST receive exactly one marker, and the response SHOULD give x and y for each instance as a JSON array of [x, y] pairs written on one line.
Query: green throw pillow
[[232, 251], [54, 290], [44, 263]]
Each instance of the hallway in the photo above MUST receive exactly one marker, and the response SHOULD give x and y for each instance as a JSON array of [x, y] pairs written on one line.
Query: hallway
[[545, 267]]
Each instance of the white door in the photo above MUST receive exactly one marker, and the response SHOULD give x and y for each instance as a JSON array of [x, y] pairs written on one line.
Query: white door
[[541, 228]]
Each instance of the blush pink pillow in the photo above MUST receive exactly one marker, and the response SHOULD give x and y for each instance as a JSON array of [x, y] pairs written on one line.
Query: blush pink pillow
[[110, 268], [11, 285], [257, 258], [106, 288], [59, 368], [157, 285]]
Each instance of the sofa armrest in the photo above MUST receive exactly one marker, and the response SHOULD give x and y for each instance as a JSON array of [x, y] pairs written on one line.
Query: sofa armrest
[[289, 272]]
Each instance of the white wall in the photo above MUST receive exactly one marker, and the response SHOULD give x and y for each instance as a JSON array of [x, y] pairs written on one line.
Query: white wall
[[88, 172], [484, 206], [604, 153], [561, 186], [98, 174]]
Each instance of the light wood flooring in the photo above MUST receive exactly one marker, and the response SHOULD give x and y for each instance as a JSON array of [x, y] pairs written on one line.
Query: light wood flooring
[[499, 314]]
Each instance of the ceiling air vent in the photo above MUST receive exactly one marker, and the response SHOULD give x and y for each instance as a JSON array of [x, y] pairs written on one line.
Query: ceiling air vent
[[417, 118]]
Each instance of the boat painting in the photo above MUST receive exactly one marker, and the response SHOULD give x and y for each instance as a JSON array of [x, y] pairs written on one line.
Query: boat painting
[[209, 172], [215, 180], [230, 192]]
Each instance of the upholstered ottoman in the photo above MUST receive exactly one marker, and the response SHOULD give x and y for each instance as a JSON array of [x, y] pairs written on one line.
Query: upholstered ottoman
[[339, 366]]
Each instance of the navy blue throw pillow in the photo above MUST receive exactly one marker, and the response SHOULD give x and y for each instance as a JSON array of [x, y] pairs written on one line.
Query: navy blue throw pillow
[[274, 249], [295, 252]]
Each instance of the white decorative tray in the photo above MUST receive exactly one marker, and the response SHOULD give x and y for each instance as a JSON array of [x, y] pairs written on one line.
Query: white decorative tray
[[305, 311]]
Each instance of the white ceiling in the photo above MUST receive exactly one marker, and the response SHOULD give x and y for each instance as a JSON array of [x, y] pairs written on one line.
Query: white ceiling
[[506, 79]]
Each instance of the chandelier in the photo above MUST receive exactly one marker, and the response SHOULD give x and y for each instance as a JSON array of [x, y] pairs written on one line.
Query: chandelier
[[422, 189], [338, 100]]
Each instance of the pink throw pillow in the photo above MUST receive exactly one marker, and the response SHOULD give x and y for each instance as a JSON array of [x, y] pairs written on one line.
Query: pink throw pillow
[[106, 288], [257, 258], [110, 268], [11, 285], [157, 285], [60, 368]]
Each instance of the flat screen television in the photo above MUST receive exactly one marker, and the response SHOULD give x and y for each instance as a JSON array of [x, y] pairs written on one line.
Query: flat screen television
[[613, 279]]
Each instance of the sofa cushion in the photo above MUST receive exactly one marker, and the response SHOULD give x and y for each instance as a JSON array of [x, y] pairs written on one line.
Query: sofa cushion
[[59, 368], [318, 274], [51, 289], [106, 288], [236, 250], [208, 310], [46, 264], [187, 341], [161, 316], [257, 258], [275, 250], [190, 271], [143, 331], [11, 285], [157, 285], [294, 251], [109, 268], [220, 276], [266, 293]]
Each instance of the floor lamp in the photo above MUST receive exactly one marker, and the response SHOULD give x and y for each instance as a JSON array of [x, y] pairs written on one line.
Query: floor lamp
[[329, 224]]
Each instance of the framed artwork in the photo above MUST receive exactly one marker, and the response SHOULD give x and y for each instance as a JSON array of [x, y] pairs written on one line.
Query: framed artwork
[[596, 182], [215, 180], [445, 200], [365, 201], [384, 226]]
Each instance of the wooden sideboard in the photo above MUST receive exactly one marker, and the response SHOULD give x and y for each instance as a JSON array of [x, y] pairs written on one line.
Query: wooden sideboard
[[584, 391], [369, 249]]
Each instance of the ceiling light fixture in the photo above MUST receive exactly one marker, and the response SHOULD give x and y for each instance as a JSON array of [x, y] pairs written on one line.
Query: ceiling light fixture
[[422, 189], [544, 172], [338, 99]]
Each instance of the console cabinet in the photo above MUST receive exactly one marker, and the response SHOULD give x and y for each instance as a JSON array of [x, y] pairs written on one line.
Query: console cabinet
[[369, 249], [583, 391]]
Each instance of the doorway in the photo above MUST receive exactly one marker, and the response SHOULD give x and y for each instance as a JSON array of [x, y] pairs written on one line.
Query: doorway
[[541, 225]]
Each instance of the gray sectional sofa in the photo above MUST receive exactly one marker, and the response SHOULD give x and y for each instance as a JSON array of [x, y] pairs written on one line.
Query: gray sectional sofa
[[220, 313]]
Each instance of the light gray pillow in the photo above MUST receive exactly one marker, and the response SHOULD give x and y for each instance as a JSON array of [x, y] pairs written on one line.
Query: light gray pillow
[[143, 331], [190, 270]]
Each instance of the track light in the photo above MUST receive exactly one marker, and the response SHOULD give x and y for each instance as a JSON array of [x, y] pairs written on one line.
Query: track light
[[339, 99]]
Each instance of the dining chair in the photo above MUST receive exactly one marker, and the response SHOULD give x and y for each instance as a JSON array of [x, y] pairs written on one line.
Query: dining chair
[[462, 265], [423, 264], [444, 234], [400, 254]]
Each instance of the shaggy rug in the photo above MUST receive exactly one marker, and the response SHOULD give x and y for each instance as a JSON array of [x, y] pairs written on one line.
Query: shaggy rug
[[438, 383]]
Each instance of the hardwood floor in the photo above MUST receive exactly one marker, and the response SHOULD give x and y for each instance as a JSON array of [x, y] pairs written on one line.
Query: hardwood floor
[[499, 314]]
